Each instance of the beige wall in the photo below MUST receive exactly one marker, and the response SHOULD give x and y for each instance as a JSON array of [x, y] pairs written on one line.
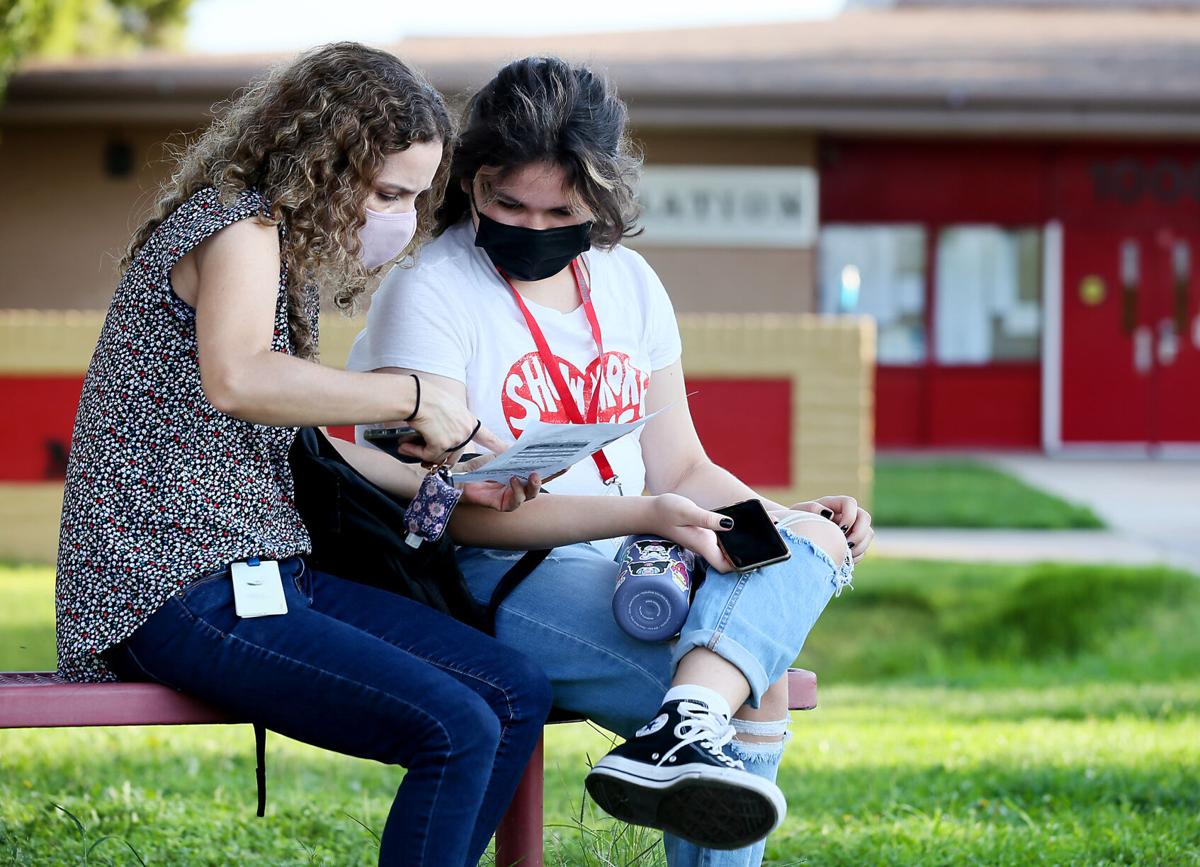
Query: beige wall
[[64, 222], [733, 280], [830, 362]]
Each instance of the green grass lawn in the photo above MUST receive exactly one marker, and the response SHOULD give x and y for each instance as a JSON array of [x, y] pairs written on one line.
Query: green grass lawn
[[969, 715], [921, 492]]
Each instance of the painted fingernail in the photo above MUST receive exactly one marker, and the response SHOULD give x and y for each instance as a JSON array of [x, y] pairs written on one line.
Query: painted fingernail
[[851, 544], [845, 529], [826, 513], [727, 523]]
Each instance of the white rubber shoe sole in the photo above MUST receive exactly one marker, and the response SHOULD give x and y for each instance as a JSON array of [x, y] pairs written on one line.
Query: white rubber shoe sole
[[718, 808]]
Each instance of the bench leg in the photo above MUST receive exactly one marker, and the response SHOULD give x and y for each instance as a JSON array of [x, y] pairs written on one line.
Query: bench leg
[[519, 837]]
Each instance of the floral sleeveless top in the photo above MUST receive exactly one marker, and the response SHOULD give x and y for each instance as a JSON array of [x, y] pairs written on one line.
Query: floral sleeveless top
[[161, 487]]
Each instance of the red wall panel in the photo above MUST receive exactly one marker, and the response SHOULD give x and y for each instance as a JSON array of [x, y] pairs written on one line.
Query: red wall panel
[[987, 406], [932, 181], [899, 407], [994, 406], [991, 406], [35, 428], [745, 424]]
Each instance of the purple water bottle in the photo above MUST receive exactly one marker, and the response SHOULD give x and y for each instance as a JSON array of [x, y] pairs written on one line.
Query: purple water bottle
[[653, 587]]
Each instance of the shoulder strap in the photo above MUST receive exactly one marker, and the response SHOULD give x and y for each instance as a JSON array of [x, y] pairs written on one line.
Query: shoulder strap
[[260, 771], [312, 448], [514, 576]]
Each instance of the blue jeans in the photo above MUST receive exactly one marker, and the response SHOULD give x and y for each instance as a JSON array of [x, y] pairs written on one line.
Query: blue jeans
[[368, 673], [562, 616]]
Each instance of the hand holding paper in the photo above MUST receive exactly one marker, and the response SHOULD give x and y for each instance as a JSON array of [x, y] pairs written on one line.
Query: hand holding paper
[[548, 449]]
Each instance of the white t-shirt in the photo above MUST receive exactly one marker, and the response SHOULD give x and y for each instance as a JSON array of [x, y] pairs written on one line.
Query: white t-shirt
[[453, 315]]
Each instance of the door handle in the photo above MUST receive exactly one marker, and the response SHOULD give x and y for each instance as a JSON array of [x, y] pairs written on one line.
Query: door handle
[[1168, 342], [1181, 266], [1130, 270], [1143, 349]]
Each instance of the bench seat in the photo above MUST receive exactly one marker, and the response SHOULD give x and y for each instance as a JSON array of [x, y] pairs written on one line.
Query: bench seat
[[43, 700]]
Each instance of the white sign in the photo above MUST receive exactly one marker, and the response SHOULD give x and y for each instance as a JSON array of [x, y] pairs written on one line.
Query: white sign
[[728, 206]]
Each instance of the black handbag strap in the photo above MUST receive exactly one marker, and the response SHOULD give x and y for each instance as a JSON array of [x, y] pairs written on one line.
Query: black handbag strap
[[260, 772], [314, 448], [514, 576]]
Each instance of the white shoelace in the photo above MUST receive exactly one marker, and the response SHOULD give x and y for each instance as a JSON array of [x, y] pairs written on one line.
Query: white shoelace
[[701, 726]]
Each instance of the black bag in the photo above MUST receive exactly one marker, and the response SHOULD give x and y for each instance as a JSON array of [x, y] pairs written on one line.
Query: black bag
[[357, 532]]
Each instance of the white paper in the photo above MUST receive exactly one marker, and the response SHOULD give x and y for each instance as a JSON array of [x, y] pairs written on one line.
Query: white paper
[[547, 449]]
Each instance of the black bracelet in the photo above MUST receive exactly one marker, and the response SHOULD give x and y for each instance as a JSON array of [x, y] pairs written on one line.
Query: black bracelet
[[417, 406], [467, 441]]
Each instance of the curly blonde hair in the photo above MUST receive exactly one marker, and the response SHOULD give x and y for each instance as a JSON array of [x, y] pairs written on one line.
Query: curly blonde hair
[[311, 137]]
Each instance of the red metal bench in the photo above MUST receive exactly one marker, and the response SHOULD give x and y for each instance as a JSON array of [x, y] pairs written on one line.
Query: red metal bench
[[41, 700]]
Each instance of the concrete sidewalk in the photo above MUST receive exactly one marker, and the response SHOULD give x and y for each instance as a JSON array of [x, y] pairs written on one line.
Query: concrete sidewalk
[[1026, 546], [1151, 507]]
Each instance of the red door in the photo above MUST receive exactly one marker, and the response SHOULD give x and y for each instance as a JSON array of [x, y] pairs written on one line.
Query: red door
[[1176, 331], [1131, 359], [1106, 365]]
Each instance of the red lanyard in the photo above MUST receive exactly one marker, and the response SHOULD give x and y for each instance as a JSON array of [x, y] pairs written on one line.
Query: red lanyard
[[550, 362]]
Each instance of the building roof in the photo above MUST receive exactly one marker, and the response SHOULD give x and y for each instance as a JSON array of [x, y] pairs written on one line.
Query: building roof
[[1010, 70]]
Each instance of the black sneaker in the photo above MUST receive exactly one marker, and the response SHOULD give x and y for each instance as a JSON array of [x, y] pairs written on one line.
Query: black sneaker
[[672, 775]]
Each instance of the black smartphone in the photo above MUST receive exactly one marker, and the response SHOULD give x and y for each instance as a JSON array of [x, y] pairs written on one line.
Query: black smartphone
[[388, 439], [754, 540]]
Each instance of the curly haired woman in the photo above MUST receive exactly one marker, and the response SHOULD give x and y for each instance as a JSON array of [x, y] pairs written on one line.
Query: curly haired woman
[[178, 477]]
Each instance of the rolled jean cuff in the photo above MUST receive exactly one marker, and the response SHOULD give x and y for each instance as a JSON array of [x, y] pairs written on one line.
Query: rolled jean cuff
[[758, 620], [735, 654]]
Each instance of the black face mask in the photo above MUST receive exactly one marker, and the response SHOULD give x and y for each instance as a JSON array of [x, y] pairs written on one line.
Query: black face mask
[[531, 254]]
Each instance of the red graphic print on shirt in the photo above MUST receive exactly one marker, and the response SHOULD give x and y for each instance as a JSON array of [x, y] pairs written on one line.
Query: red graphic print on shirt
[[529, 393]]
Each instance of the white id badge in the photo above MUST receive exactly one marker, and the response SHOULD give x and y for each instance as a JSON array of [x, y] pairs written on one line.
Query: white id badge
[[257, 588]]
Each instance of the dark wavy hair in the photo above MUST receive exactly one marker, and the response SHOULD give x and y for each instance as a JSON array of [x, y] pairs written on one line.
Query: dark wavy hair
[[311, 136], [543, 109]]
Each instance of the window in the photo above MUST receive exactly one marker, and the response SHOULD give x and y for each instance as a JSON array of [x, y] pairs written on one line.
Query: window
[[879, 271], [988, 295]]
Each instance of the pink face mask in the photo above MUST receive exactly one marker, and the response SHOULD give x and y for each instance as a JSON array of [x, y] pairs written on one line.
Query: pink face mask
[[385, 236]]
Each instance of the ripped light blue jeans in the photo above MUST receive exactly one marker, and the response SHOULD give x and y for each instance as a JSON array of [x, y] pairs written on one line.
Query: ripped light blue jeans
[[561, 615]]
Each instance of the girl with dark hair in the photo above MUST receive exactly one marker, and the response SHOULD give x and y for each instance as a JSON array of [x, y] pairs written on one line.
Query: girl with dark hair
[[182, 554], [528, 307]]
